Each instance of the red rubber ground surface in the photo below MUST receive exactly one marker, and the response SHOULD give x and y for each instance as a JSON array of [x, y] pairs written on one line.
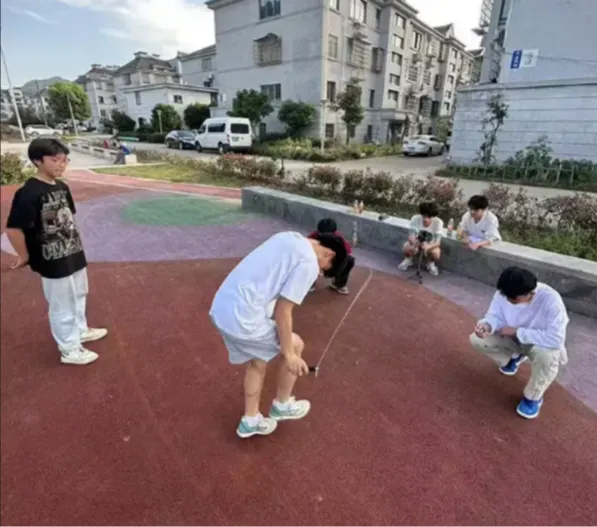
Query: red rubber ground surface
[[408, 425]]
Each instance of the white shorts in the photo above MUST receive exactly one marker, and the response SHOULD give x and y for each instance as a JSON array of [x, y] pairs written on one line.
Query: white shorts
[[241, 351]]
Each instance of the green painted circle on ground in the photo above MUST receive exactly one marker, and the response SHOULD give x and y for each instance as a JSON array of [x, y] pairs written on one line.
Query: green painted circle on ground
[[184, 211]]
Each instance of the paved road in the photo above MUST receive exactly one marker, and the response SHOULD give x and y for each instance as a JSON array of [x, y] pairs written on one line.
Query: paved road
[[77, 160], [397, 166]]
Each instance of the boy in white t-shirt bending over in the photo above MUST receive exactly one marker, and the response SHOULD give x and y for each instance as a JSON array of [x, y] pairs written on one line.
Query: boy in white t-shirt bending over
[[527, 320], [480, 226], [428, 222], [253, 308]]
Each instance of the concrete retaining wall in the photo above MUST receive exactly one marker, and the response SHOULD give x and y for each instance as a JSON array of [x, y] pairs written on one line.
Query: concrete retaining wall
[[574, 278], [96, 151]]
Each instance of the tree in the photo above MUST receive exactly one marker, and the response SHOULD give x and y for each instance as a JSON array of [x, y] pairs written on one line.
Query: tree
[[28, 116], [251, 105], [296, 116], [443, 128], [195, 114], [165, 118], [61, 93], [122, 122], [497, 112], [349, 101]]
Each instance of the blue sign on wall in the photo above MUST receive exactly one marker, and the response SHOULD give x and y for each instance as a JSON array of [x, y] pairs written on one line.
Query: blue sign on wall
[[516, 59]]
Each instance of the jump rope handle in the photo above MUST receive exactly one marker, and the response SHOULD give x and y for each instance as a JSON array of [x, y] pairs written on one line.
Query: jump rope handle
[[314, 369]]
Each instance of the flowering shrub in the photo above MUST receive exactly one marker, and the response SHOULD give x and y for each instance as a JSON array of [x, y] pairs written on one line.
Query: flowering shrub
[[13, 170]]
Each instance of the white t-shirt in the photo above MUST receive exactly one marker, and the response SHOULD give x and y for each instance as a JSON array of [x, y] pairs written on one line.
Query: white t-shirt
[[436, 227], [542, 322], [486, 229], [284, 265]]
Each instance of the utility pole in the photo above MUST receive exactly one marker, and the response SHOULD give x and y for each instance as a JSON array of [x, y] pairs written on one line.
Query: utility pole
[[41, 101], [160, 120], [12, 93], [72, 116]]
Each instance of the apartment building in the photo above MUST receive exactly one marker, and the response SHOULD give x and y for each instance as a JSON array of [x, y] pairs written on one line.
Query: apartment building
[[37, 103], [309, 50], [547, 80], [99, 85], [199, 67]]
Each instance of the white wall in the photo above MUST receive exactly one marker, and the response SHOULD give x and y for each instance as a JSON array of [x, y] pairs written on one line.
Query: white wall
[[193, 73], [161, 95], [563, 31], [565, 112]]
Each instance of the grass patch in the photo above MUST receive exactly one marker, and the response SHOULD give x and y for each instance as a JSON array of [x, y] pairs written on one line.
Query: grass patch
[[172, 173]]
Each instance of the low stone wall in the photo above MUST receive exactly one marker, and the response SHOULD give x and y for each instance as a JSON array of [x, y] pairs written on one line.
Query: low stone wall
[[96, 151], [574, 278]]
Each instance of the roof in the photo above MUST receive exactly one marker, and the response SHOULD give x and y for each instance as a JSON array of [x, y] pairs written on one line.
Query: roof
[[144, 62], [203, 52], [95, 70], [443, 29], [168, 86]]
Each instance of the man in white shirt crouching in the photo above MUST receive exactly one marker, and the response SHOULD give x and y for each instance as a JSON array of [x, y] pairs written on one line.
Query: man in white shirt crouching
[[480, 226], [253, 311], [526, 320]]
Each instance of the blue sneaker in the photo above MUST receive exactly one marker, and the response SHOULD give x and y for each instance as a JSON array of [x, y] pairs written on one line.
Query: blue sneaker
[[293, 409], [264, 427], [529, 409], [513, 364]]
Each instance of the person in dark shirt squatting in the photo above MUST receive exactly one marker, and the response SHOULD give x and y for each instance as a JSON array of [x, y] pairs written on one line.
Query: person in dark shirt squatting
[[42, 230], [329, 226]]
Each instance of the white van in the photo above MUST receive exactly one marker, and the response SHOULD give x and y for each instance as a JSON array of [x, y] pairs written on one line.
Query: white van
[[224, 134]]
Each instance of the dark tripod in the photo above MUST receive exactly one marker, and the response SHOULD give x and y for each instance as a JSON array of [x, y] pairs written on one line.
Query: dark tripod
[[423, 237]]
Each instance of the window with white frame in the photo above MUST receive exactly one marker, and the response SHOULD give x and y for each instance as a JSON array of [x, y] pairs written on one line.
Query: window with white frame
[[448, 94], [331, 91], [451, 80], [269, 8], [335, 4], [100, 100], [371, 98], [206, 64], [396, 58], [329, 131], [417, 40], [138, 98], [178, 99], [452, 68], [399, 21], [447, 107], [332, 46], [413, 73], [395, 79], [378, 19], [358, 10], [268, 50], [393, 95], [398, 42], [273, 91]]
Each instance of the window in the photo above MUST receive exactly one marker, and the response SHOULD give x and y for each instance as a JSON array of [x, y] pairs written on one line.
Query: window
[[103, 114], [206, 64], [273, 91], [452, 68], [447, 106], [332, 46], [268, 50], [398, 42], [399, 21], [178, 99], [377, 55], [138, 98], [262, 130], [239, 128], [417, 40], [335, 4], [127, 79], [216, 128], [269, 8], [395, 79], [451, 80], [369, 132], [436, 83], [329, 130], [114, 99], [448, 94], [371, 98], [393, 95], [434, 108], [427, 78], [100, 99], [358, 10], [432, 47], [378, 19], [331, 91], [397, 58], [145, 79], [413, 73], [455, 54]]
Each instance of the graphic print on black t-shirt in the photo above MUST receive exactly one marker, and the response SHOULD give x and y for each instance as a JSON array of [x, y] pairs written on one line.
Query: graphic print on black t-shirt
[[59, 234]]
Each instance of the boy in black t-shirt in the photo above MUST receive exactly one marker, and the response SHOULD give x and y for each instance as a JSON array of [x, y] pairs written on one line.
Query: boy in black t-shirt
[[41, 228]]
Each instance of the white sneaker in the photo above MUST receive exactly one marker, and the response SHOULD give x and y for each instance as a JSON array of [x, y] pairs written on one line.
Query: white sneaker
[[432, 268], [291, 409], [93, 334], [406, 264], [264, 427], [79, 357]]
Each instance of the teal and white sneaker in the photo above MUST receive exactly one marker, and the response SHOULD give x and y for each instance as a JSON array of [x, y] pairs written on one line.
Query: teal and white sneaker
[[291, 409], [263, 427]]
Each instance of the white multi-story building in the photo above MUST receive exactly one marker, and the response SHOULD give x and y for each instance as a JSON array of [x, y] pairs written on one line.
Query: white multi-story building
[[98, 82], [199, 67], [309, 50], [547, 81]]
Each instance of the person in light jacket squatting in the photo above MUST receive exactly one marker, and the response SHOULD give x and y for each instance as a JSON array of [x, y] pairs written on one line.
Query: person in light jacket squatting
[[253, 311], [480, 226], [526, 320]]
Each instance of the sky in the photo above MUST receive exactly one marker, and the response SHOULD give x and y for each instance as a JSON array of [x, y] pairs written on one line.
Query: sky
[[45, 38]]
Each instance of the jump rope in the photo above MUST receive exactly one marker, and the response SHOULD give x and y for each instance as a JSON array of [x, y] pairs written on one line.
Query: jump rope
[[315, 369]]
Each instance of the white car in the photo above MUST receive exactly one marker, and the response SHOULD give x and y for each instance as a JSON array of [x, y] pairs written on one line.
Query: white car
[[423, 145], [225, 134], [35, 130]]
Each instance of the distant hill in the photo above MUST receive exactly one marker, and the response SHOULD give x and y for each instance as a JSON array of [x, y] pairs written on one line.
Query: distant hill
[[31, 88]]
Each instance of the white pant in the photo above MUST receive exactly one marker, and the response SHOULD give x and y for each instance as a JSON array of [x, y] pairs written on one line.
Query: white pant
[[67, 302], [545, 363]]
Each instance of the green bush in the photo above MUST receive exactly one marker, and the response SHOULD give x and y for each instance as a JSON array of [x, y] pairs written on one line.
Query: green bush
[[13, 170]]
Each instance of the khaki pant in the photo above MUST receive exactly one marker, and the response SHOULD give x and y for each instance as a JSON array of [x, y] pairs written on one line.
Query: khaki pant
[[545, 363]]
